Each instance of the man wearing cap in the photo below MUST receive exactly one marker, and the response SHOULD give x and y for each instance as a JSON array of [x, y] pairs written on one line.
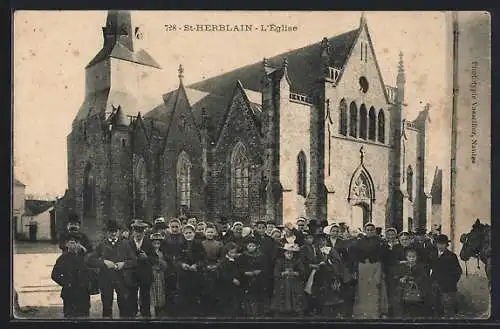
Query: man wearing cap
[[73, 228], [446, 272], [115, 259], [160, 226], [143, 272], [424, 247], [72, 274]]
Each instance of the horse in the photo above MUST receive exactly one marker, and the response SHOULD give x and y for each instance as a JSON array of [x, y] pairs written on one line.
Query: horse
[[477, 243]]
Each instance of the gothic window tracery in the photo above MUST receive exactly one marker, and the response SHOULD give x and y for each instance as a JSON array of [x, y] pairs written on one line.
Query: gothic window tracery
[[381, 126], [362, 121], [183, 180], [353, 117], [239, 177], [372, 122], [140, 183]]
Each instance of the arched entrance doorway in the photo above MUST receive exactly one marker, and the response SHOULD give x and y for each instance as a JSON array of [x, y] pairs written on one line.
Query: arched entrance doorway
[[360, 215], [361, 195]]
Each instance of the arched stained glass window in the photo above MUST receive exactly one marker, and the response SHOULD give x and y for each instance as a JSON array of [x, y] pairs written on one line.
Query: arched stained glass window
[[239, 177], [184, 180]]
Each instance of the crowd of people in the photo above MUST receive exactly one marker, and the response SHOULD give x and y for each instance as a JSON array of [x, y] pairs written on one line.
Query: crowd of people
[[188, 268]]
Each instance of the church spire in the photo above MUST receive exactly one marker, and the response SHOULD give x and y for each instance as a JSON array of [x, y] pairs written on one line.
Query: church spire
[[181, 73], [118, 29], [362, 19]]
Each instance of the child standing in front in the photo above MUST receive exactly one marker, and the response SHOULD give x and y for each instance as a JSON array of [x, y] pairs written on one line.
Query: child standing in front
[[288, 296], [159, 266], [71, 272], [251, 264], [412, 293], [229, 289]]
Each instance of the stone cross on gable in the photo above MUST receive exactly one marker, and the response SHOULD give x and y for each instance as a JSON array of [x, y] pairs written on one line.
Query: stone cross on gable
[[362, 154]]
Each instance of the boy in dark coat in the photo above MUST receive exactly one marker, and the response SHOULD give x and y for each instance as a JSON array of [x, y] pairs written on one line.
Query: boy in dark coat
[[445, 274], [115, 259], [72, 274], [229, 283]]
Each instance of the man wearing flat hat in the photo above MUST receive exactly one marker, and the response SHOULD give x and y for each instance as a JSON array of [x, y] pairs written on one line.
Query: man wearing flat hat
[[115, 259], [140, 297], [160, 226], [73, 228], [446, 272]]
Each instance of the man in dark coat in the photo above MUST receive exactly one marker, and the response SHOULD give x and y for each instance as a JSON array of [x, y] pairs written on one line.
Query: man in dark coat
[[73, 228], [446, 273], [424, 247], [72, 274], [115, 259], [267, 248], [143, 272]]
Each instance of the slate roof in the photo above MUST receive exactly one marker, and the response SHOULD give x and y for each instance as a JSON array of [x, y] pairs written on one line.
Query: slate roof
[[119, 51], [214, 94], [36, 207], [304, 67]]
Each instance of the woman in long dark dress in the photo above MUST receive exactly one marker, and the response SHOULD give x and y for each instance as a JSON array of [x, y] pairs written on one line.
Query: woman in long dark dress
[[327, 280], [288, 294], [190, 264], [371, 294]]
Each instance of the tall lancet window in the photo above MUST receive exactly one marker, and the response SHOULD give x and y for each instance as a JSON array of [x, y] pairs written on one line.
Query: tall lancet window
[[362, 121], [183, 180], [141, 189], [301, 174], [239, 177], [381, 126], [372, 124], [343, 118], [353, 123], [89, 192], [409, 182]]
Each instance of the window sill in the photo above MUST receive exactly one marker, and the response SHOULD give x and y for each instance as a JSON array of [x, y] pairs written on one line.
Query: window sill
[[359, 140]]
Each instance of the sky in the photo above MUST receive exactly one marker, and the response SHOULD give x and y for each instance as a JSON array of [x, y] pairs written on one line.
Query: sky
[[51, 49]]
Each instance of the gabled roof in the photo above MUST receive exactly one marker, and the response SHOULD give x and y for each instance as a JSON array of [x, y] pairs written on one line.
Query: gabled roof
[[304, 67], [36, 207], [119, 51]]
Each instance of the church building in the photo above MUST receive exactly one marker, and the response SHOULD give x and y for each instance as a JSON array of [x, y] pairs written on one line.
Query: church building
[[312, 132]]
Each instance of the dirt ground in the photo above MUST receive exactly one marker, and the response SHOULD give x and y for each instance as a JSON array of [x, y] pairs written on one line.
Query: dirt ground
[[473, 297], [473, 303]]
